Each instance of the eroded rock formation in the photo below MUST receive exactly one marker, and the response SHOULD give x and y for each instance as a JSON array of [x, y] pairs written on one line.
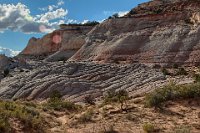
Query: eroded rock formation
[[161, 32], [68, 39], [77, 80]]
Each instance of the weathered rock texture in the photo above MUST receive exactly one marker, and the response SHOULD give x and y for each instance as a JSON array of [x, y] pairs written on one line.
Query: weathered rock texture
[[163, 32], [68, 38], [76, 80], [4, 62]]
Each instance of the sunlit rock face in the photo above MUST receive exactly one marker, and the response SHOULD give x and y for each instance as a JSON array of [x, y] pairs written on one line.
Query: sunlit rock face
[[162, 32], [65, 39]]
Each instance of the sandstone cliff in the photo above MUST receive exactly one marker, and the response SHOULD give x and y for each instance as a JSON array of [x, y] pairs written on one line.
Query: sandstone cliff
[[163, 32], [68, 39]]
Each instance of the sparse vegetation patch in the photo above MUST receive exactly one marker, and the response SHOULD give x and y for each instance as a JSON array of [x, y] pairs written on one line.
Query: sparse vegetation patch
[[172, 92]]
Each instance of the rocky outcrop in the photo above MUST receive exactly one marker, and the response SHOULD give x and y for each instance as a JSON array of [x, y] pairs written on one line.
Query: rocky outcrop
[[68, 38], [77, 80], [161, 32], [4, 62]]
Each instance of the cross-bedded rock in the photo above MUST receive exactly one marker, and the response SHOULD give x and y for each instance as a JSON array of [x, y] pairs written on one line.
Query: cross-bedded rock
[[75, 80]]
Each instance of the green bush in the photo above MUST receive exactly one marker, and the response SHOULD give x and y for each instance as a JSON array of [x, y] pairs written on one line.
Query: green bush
[[90, 100], [197, 77], [182, 129], [181, 71], [110, 130], [165, 71], [175, 66], [29, 117], [86, 117], [6, 72], [148, 128], [120, 96], [171, 92], [57, 103]]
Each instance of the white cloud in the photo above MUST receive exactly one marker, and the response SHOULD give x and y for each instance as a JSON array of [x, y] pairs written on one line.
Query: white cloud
[[8, 52], [18, 18], [71, 21], [60, 3], [59, 13], [52, 7], [85, 21], [110, 13], [122, 13]]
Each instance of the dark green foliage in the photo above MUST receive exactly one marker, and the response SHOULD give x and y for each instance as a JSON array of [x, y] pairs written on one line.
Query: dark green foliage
[[119, 96], [156, 66], [29, 117], [55, 95], [86, 117], [182, 129], [158, 11], [116, 15], [62, 59], [89, 23], [188, 21], [110, 130], [57, 103], [165, 71], [148, 128], [175, 66], [197, 77], [6, 72], [181, 71], [172, 92], [90, 100]]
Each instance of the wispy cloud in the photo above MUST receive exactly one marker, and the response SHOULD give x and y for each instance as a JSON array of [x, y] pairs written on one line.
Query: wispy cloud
[[18, 18], [52, 7], [110, 13], [8, 52]]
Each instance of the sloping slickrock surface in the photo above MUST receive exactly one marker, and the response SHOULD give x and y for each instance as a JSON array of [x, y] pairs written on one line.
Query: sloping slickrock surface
[[163, 32], [76, 80]]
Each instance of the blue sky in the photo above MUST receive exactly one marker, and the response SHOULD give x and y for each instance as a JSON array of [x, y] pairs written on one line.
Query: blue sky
[[21, 19]]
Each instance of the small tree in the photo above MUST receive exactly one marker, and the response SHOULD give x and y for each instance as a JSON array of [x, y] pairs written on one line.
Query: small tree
[[116, 15], [165, 71], [89, 100], [6, 72], [55, 96], [122, 96]]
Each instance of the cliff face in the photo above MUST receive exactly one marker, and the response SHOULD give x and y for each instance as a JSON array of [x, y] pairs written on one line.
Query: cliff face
[[163, 32], [65, 39]]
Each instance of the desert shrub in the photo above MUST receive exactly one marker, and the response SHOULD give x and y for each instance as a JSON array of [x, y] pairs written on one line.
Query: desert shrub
[[131, 117], [29, 117], [148, 128], [90, 100], [57, 103], [63, 59], [159, 96], [158, 11], [165, 71], [86, 117], [172, 92], [6, 72], [55, 96], [110, 130], [120, 96], [175, 66], [197, 77], [116, 15], [188, 21], [157, 66], [182, 129], [181, 71], [4, 124]]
